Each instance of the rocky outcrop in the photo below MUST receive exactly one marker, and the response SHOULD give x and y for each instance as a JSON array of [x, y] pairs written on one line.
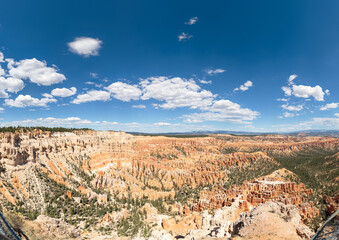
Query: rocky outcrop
[[271, 221], [57, 227], [258, 191], [332, 204]]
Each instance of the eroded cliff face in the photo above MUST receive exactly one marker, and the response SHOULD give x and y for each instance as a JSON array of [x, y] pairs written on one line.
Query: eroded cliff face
[[259, 191], [119, 173], [28, 156]]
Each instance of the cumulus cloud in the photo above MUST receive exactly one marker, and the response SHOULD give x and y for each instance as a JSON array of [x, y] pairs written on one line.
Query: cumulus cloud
[[287, 91], [282, 100], [11, 84], [36, 71], [245, 86], [223, 111], [1, 109], [308, 91], [124, 91], [184, 36], [92, 95], [85, 46], [64, 92], [296, 108], [139, 106], [329, 106], [176, 92], [3, 94], [23, 101], [291, 79], [303, 91], [47, 95], [192, 20], [215, 71], [337, 115]]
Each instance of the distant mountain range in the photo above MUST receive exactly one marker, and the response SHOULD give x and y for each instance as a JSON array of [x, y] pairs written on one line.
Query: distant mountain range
[[332, 133]]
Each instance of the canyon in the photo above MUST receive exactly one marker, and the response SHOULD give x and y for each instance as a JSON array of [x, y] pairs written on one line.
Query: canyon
[[109, 185]]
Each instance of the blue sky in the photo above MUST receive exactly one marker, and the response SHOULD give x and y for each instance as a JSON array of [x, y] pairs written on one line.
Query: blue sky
[[164, 66]]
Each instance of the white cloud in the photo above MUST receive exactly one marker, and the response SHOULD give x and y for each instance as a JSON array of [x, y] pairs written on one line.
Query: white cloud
[[2, 57], [93, 83], [329, 106], [92, 95], [184, 36], [47, 95], [36, 71], [314, 123], [64, 92], [296, 108], [3, 94], [11, 84], [223, 111], [192, 21], [85, 46], [106, 125], [2, 71], [124, 92], [303, 91], [333, 123], [1, 109], [308, 91], [139, 106], [215, 71], [10, 62], [50, 122], [287, 114], [23, 101], [287, 91], [337, 115], [291, 79], [205, 82], [245, 86], [282, 99], [176, 92], [162, 124]]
